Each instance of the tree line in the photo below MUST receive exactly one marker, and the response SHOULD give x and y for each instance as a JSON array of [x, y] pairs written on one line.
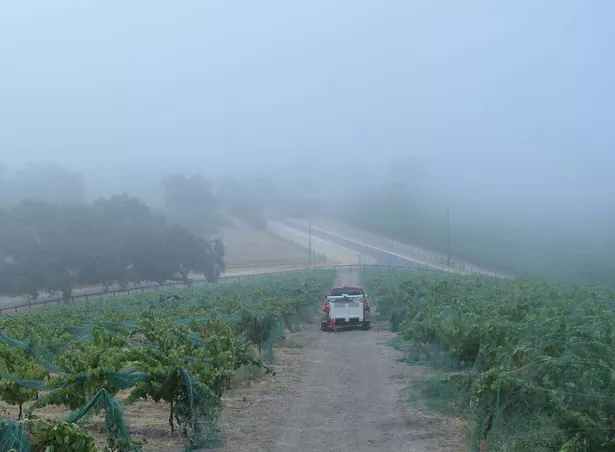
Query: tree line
[[53, 239], [55, 248], [202, 205]]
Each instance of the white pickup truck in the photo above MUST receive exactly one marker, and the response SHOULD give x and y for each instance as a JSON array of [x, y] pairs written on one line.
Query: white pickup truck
[[345, 307]]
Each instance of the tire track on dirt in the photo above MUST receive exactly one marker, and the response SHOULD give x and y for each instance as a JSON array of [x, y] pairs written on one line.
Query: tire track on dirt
[[349, 399]]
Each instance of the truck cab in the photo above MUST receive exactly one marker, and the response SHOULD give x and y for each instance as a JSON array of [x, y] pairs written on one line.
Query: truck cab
[[344, 307]]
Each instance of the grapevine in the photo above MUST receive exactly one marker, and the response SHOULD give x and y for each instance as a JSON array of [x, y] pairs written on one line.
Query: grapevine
[[185, 354], [529, 363]]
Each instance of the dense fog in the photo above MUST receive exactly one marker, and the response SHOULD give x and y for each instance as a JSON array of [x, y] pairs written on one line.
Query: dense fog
[[386, 115]]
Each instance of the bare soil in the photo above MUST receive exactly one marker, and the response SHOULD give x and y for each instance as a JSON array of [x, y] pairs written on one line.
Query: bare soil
[[244, 243]]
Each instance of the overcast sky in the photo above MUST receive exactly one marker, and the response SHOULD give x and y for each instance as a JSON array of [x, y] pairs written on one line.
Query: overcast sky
[[501, 99]]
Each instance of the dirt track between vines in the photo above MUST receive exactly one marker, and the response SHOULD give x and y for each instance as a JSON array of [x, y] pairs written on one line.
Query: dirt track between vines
[[332, 392], [338, 392]]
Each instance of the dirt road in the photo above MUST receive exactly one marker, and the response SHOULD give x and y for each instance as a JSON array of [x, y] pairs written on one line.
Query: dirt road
[[341, 392]]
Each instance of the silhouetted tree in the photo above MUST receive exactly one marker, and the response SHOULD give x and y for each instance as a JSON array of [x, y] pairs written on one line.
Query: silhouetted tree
[[55, 248]]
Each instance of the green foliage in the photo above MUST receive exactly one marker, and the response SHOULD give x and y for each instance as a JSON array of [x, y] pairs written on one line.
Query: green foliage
[[220, 352], [86, 369], [58, 436], [39, 435], [192, 402], [537, 359], [150, 249], [185, 354], [55, 248], [18, 362], [45, 247]]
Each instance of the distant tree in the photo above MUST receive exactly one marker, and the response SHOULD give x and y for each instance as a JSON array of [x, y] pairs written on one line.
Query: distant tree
[[43, 182], [146, 248], [55, 248], [178, 254], [190, 201], [139, 241], [202, 257], [123, 219], [48, 247]]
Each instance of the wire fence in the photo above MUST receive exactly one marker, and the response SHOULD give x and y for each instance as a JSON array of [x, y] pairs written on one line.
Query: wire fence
[[409, 251], [112, 292], [316, 259], [96, 292]]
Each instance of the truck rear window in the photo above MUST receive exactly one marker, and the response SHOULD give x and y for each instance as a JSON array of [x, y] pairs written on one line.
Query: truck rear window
[[338, 291]]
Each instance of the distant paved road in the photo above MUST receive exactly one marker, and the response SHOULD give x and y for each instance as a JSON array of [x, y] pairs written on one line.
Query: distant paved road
[[381, 257]]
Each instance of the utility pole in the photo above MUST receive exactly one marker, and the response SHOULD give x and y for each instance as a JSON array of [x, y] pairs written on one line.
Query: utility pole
[[310, 239], [448, 235]]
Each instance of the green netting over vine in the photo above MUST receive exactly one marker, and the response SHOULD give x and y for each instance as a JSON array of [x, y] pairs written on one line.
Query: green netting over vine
[[201, 428], [184, 351], [529, 365], [38, 352], [38, 435], [119, 438], [13, 437]]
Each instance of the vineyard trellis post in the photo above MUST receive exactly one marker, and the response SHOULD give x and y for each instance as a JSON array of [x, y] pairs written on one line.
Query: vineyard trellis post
[[310, 239], [448, 235]]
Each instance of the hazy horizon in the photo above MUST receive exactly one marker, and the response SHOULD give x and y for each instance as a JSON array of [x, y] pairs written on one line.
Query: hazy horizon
[[503, 104]]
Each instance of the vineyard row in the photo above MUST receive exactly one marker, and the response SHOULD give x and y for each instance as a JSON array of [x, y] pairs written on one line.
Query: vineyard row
[[530, 365], [185, 353]]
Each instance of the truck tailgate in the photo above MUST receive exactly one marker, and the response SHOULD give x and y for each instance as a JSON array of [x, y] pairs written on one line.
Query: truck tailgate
[[346, 308]]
